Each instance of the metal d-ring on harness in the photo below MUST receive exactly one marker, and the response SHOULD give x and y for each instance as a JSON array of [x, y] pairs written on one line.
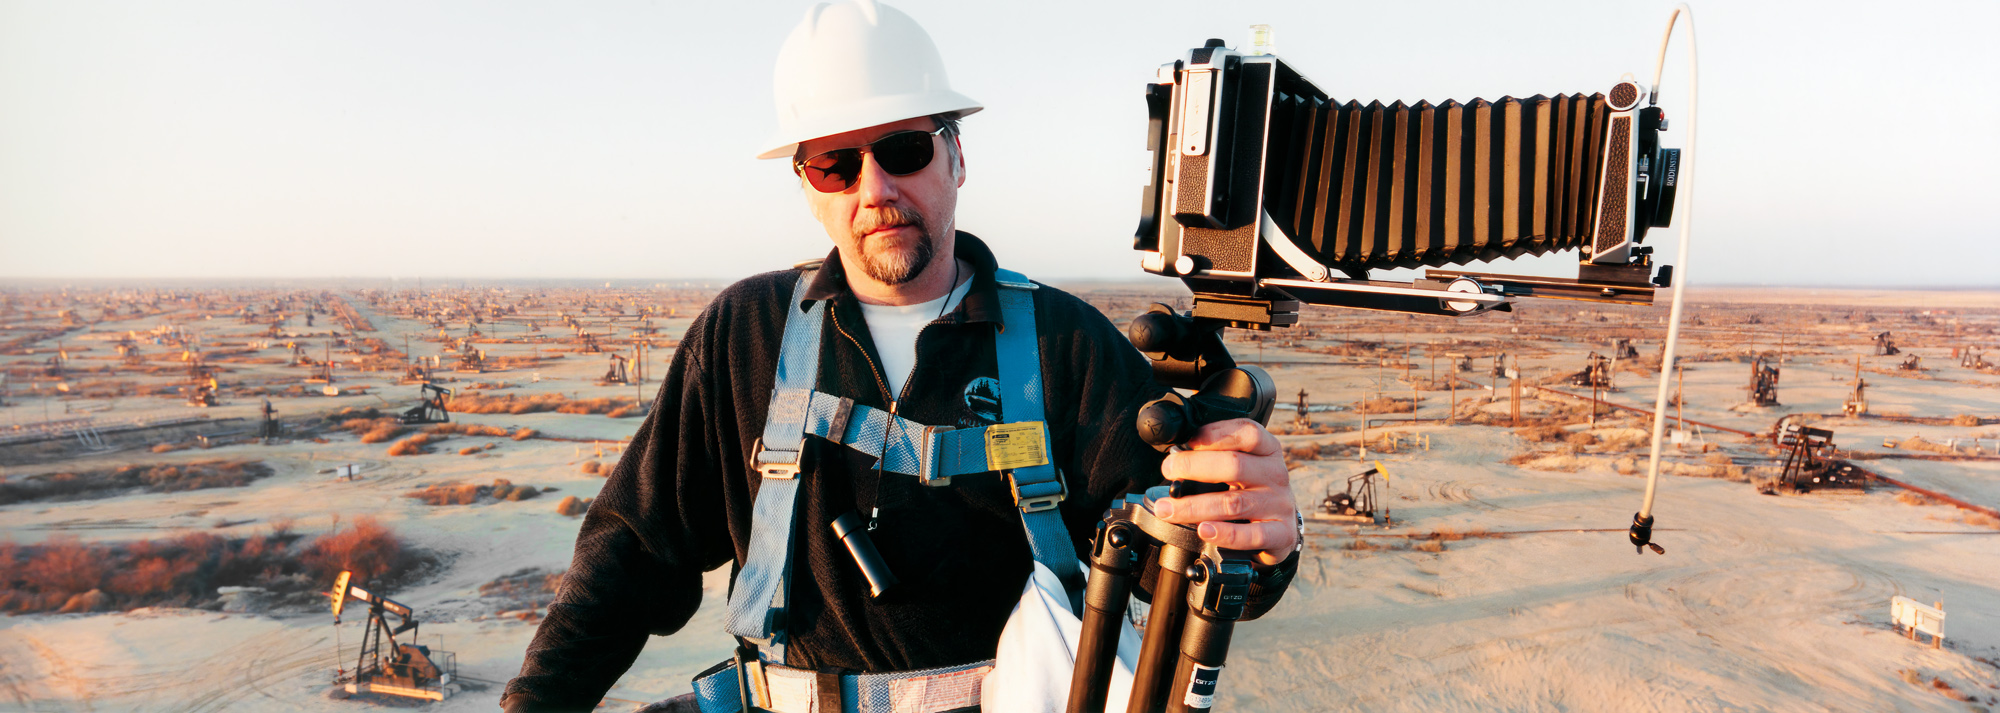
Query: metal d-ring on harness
[[932, 454]]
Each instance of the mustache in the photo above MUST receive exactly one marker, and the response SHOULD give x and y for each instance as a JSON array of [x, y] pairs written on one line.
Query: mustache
[[872, 219]]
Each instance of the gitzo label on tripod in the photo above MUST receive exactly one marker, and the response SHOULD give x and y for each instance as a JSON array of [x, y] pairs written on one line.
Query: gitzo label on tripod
[[1201, 687]]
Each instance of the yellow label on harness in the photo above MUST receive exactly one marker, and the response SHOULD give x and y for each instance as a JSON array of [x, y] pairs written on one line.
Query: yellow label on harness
[[1015, 445]]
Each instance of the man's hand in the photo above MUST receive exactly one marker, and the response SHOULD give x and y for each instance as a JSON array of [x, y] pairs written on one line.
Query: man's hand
[[1247, 457]]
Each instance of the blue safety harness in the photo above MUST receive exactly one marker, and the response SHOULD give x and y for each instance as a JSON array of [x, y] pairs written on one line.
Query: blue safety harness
[[933, 454]]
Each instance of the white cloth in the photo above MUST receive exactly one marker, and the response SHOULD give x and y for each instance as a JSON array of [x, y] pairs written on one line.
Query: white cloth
[[1037, 653], [894, 329]]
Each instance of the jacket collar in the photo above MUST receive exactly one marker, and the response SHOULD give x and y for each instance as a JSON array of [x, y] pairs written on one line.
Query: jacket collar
[[981, 303]]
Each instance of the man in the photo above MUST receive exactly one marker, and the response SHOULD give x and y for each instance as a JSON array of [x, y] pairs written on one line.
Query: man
[[908, 320]]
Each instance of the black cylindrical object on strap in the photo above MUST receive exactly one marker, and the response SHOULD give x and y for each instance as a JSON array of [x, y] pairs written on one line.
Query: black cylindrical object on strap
[[854, 535]]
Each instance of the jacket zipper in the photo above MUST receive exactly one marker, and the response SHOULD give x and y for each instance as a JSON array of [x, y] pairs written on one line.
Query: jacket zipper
[[873, 369]]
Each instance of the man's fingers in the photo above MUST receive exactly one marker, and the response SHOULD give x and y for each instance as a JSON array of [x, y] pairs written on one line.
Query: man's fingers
[[1225, 467], [1236, 434], [1245, 504], [1273, 539]]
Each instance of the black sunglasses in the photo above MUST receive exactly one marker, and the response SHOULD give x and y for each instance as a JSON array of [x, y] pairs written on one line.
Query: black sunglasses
[[901, 154]]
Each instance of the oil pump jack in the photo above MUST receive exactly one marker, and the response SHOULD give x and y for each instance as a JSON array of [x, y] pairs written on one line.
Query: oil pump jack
[[432, 408], [411, 670]]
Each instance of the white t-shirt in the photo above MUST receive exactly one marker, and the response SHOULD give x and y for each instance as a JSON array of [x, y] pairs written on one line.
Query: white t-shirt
[[894, 329]]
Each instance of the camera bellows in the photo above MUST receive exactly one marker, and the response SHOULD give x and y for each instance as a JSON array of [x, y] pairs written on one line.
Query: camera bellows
[[1365, 186]]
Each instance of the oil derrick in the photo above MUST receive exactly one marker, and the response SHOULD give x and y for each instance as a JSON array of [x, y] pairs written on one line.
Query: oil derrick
[[617, 374], [410, 670], [1596, 374], [1857, 402], [1885, 345], [431, 407], [1622, 348], [270, 429], [1809, 461], [324, 373], [1911, 363], [471, 361], [1357, 503], [203, 389], [128, 350], [1764, 380], [1302, 417], [56, 365]]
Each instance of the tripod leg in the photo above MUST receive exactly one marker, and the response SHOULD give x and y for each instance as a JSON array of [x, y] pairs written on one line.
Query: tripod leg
[[1151, 684], [1114, 561], [1216, 595]]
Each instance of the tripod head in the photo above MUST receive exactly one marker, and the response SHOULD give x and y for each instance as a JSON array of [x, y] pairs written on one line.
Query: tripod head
[[1188, 353]]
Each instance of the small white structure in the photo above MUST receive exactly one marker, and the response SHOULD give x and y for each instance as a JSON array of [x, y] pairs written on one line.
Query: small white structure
[[1911, 617]]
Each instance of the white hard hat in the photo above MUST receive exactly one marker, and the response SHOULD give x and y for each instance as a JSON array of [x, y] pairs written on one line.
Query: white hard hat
[[855, 65]]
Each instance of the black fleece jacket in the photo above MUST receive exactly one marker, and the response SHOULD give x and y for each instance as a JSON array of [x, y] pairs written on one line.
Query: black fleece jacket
[[678, 504]]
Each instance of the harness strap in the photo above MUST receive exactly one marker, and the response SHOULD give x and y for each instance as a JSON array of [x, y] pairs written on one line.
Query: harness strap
[[934, 454], [757, 602], [1037, 489], [793, 690]]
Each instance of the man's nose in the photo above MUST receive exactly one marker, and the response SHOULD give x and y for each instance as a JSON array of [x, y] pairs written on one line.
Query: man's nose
[[876, 187]]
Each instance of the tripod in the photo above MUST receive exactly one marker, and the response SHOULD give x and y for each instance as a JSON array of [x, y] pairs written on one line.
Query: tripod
[[1214, 583]]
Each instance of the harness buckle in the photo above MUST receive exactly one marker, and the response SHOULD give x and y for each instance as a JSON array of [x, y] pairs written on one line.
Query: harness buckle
[[1038, 503], [928, 456], [776, 468]]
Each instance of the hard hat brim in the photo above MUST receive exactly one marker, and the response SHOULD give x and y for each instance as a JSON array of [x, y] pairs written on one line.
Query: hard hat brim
[[871, 112]]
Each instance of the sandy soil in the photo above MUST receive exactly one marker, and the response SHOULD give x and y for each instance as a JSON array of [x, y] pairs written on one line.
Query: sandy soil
[[1760, 603]]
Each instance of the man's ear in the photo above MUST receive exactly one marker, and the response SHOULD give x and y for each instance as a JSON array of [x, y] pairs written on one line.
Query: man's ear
[[958, 169]]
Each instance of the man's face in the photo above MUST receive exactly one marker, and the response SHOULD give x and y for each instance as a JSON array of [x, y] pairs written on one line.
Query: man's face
[[890, 227]]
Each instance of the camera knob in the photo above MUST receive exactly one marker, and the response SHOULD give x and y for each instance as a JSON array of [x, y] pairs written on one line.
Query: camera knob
[[1162, 423], [1156, 332]]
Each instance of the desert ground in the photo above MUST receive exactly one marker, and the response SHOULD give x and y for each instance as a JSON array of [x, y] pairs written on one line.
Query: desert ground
[[163, 549]]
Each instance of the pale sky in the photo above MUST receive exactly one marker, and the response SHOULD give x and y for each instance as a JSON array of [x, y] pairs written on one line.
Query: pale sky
[[1840, 144]]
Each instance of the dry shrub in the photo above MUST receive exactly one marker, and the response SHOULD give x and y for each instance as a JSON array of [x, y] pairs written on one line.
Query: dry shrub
[[1911, 497], [627, 411], [469, 429], [382, 433], [1981, 519], [1429, 546], [1917, 443], [1306, 452], [538, 403], [198, 475], [524, 434], [65, 575], [572, 506], [1626, 466], [367, 548], [591, 467], [1542, 434], [414, 445], [1965, 420], [1359, 544], [529, 588], [1580, 439], [168, 447], [1946, 690], [1386, 404], [468, 493], [1718, 459]]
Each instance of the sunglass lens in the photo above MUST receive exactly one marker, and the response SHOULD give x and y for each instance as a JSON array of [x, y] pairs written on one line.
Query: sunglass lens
[[904, 153], [834, 171]]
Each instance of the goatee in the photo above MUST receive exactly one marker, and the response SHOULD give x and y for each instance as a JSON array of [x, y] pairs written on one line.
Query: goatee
[[891, 266]]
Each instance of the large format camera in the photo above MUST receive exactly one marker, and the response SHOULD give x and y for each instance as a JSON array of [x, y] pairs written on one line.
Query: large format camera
[[1265, 192]]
